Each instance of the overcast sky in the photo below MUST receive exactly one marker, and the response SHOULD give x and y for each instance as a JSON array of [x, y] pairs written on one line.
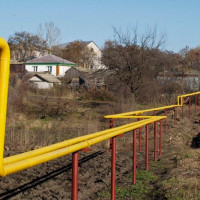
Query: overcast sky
[[93, 19]]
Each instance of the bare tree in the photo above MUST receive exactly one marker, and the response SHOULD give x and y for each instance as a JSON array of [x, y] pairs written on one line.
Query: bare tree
[[183, 52], [23, 45], [132, 56], [50, 33], [190, 58]]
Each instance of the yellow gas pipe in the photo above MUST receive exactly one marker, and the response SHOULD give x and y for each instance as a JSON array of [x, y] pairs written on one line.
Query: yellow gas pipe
[[4, 78]]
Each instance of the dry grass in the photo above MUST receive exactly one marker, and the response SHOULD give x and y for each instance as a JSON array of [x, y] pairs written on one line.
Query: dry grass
[[42, 117], [182, 182]]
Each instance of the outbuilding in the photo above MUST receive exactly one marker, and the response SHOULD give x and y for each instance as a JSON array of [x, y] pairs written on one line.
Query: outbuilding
[[51, 64], [44, 81], [188, 79], [17, 67], [75, 76]]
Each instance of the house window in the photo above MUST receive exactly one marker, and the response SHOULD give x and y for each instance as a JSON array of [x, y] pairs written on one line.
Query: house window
[[49, 68], [35, 68]]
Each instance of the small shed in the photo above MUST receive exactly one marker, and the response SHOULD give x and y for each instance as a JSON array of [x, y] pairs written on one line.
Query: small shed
[[75, 76], [17, 67], [101, 79], [44, 81]]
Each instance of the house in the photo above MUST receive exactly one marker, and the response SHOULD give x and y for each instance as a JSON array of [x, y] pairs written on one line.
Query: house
[[50, 64], [97, 59], [96, 64], [190, 79], [75, 76], [44, 81]]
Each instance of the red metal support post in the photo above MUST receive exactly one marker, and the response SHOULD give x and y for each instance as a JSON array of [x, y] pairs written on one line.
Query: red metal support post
[[111, 124], [165, 120], [155, 141], [160, 145], [134, 156], [147, 147], [75, 156], [189, 106], [183, 108], [139, 131], [175, 115], [195, 104], [113, 168]]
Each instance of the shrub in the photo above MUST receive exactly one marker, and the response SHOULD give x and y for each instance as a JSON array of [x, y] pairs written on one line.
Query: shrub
[[97, 94]]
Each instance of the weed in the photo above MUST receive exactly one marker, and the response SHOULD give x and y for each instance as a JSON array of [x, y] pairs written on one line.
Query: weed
[[103, 195], [141, 189], [144, 176], [153, 164]]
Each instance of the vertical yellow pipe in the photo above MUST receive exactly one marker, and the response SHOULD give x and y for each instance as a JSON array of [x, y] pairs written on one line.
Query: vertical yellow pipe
[[178, 100], [4, 78]]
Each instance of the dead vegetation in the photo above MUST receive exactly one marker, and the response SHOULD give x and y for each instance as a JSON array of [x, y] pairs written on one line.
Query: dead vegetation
[[42, 117]]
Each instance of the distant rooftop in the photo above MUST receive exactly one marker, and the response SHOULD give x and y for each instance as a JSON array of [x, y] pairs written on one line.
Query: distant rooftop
[[81, 69], [46, 77], [62, 46], [50, 59]]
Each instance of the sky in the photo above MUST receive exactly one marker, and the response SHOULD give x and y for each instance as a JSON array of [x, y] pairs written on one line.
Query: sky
[[94, 19]]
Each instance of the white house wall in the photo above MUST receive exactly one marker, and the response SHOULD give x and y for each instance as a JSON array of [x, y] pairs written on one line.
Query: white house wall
[[43, 85], [97, 60], [44, 68], [95, 48], [63, 69]]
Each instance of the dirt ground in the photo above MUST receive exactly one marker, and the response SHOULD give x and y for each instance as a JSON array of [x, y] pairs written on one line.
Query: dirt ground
[[52, 180]]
